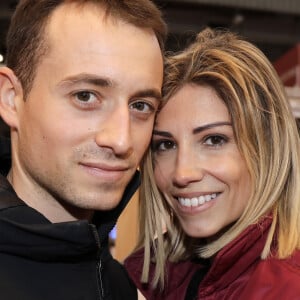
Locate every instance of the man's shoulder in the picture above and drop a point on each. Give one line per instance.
(8, 197)
(5, 154)
(9, 203)
(8, 200)
(14, 210)
(117, 281)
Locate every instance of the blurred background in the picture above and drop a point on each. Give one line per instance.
(272, 25)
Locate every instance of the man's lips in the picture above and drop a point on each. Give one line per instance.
(104, 171)
(105, 167)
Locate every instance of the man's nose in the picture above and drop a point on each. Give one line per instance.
(115, 132)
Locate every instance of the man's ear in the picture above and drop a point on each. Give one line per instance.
(10, 93)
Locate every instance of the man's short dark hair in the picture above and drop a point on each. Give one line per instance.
(26, 41)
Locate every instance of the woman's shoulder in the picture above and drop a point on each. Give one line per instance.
(134, 262)
(134, 266)
(274, 269)
(292, 264)
(178, 276)
(275, 279)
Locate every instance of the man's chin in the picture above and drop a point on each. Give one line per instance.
(106, 202)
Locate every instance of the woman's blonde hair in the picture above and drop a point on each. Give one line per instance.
(266, 135)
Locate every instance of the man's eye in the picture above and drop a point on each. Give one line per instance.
(85, 96)
(142, 107)
(215, 140)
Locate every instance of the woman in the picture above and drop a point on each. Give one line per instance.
(220, 195)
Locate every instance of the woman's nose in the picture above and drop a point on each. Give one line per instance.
(187, 169)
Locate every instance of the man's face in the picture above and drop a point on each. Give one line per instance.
(87, 121)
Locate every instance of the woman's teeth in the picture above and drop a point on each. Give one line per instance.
(196, 201)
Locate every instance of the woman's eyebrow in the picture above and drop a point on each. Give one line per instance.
(162, 133)
(210, 125)
(195, 131)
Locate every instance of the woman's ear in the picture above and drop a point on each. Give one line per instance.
(10, 93)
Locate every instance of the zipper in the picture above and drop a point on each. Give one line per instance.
(100, 281)
(98, 264)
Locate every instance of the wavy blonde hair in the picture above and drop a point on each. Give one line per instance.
(266, 135)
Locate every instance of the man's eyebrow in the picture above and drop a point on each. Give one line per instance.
(86, 78)
(210, 125)
(148, 93)
(107, 82)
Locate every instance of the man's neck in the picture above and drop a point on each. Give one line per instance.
(52, 209)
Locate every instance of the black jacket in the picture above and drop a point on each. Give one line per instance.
(40, 260)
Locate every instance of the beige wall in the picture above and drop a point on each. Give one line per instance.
(127, 230)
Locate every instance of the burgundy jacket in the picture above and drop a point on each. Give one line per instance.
(237, 272)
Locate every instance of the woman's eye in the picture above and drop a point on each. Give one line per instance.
(141, 106)
(215, 140)
(160, 146)
(85, 96)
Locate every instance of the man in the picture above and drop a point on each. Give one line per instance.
(79, 93)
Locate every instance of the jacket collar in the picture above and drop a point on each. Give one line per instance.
(238, 256)
(230, 262)
(5, 153)
(53, 241)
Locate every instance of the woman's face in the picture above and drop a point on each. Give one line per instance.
(197, 162)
